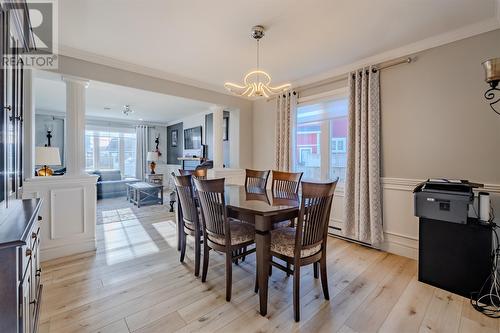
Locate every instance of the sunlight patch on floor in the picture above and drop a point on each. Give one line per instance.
(168, 230)
(127, 239)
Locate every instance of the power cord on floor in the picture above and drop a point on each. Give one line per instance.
(479, 300)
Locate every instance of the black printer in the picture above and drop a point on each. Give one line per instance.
(443, 199)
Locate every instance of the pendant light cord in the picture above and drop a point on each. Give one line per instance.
(258, 65)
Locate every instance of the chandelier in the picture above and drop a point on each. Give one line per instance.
(257, 83)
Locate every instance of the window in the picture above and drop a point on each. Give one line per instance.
(111, 149)
(321, 138)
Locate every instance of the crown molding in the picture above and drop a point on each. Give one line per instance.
(83, 82)
(419, 46)
(139, 69)
(104, 120)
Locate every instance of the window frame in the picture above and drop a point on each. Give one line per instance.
(121, 146)
(337, 140)
(325, 139)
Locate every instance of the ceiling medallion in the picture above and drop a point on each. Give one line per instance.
(257, 83)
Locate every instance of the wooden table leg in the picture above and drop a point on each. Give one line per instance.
(263, 243)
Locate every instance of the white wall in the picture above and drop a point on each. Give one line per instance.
(236, 135)
(190, 122)
(160, 131)
(42, 122)
(435, 122)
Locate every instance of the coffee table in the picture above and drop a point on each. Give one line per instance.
(145, 193)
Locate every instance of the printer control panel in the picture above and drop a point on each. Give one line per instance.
(444, 206)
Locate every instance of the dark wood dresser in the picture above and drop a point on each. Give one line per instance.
(20, 272)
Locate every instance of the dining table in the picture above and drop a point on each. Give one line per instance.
(263, 208)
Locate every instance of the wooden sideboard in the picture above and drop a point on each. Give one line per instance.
(20, 273)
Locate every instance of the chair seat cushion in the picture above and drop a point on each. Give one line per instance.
(189, 225)
(241, 232)
(283, 242)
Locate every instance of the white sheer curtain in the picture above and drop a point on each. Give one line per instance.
(363, 212)
(286, 115)
(142, 133)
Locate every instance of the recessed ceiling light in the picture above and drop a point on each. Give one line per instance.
(140, 119)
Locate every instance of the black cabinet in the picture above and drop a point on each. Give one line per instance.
(20, 276)
(453, 256)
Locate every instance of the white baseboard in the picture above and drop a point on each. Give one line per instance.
(400, 245)
(67, 250)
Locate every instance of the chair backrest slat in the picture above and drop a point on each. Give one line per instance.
(285, 182)
(256, 180)
(213, 207)
(185, 193)
(312, 224)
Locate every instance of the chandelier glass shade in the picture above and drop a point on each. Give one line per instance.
(256, 83)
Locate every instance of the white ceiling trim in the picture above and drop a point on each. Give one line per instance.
(121, 121)
(425, 44)
(428, 43)
(139, 69)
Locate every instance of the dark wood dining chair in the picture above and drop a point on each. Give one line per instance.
(219, 232)
(190, 219)
(198, 173)
(284, 183)
(255, 180)
(306, 244)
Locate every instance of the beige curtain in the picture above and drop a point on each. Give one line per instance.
(286, 105)
(142, 148)
(363, 202)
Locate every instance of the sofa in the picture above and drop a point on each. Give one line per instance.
(110, 183)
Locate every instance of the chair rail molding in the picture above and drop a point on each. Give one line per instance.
(70, 211)
(400, 224)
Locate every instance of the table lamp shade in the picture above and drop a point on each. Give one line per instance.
(47, 156)
(152, 156)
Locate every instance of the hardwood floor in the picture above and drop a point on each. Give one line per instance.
(134, 282)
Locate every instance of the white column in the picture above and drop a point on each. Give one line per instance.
(29, 125)
(218, 149)
(75, 124)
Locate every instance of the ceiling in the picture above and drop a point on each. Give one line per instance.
(209, 41)
(50, 98)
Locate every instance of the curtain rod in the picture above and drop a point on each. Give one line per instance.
(342, 77)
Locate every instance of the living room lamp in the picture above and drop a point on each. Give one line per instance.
(492, 73)
(47, 156)
(153, 158)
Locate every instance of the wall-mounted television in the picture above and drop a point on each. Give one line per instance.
(192, 138)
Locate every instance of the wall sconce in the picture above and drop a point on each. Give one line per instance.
(492, 73)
